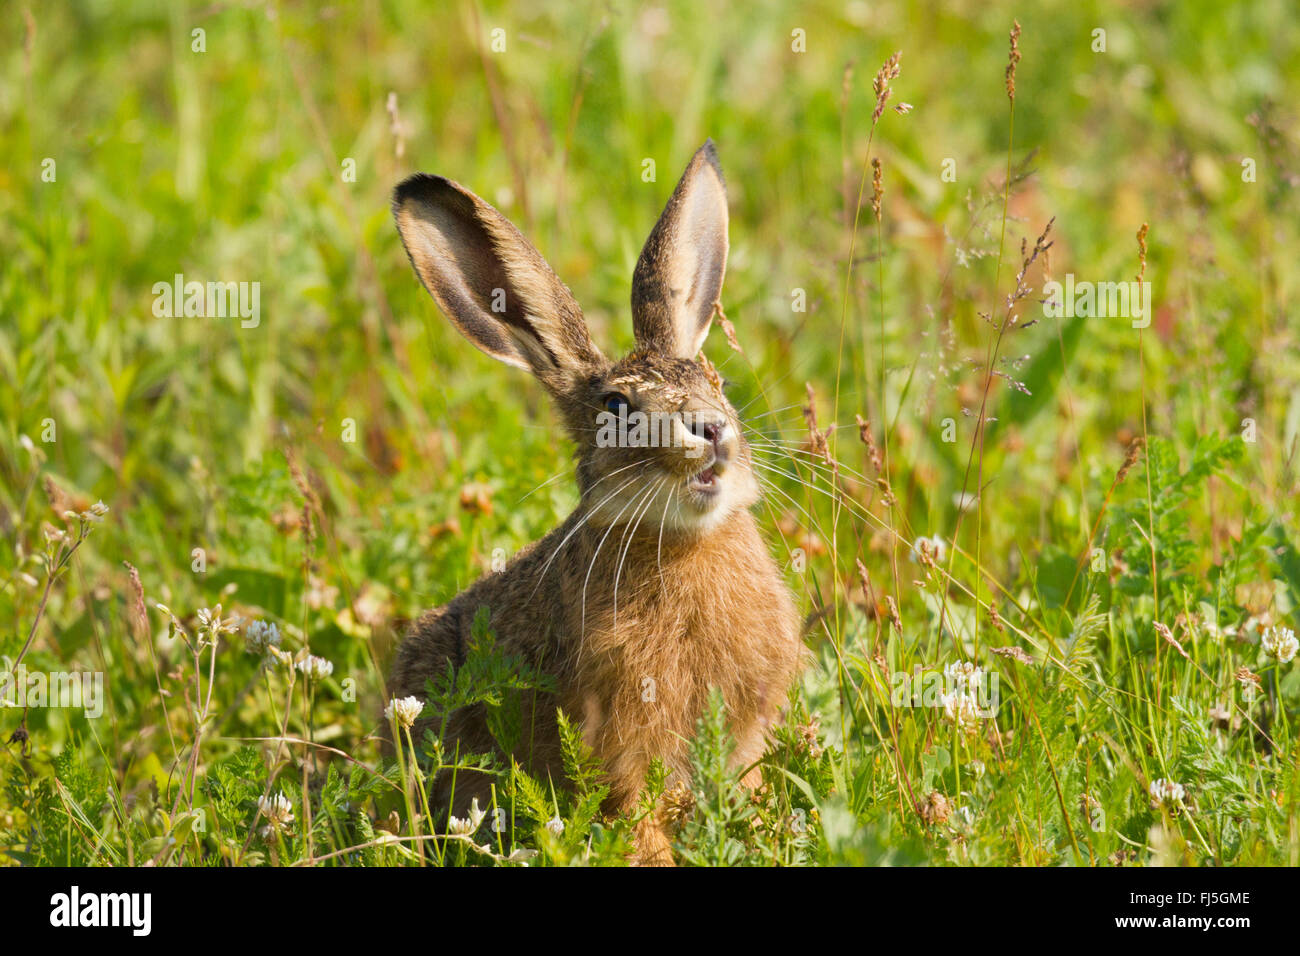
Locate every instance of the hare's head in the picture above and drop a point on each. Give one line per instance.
(658, 442)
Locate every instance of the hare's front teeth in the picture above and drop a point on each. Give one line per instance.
(706, 482)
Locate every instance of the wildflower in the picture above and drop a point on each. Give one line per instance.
(935, 809)
(1167, 794)
(807, 740)
(95, 512)
(1250, 683)
(1280, 642)
(676, 805)
(260, 637)
(963, 675)
(405, 711)
(283, 658)
(210, 620)
(458, 826)
(315, 668)
(929, 550)
(962, 709)
(555, 825)
(278, 812)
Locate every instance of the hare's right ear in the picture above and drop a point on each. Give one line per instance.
(493, 285)
(678, 277)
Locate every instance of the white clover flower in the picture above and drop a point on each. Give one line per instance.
(1280, 642)
(929, 550)
(315, 668)
(555, 825)
(278, 812)
(261, 637)
(407, 712)
(1166, 793)
(965, 676)
(962, 709)
(464, 827)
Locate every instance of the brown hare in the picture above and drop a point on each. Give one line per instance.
(659, 585)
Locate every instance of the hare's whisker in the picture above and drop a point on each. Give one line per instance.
(844, 500)
(592, 566)
(774, 411)
(631, 537)
(659, 555)
(640, 461)
(574, 530)
(548, 481)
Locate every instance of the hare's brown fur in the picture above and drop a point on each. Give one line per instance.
(636, 607)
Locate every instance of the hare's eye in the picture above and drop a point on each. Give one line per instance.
(615, 403)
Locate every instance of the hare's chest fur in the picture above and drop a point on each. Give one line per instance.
(682, 620)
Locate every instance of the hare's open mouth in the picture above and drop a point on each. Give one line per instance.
(709, 481)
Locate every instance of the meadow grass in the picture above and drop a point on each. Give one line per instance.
(1099, 519)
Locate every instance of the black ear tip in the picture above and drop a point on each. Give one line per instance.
(419, 186)
(709, 153)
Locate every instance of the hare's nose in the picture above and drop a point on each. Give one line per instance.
(713, 431)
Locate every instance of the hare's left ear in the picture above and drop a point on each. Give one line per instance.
(678, 277)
